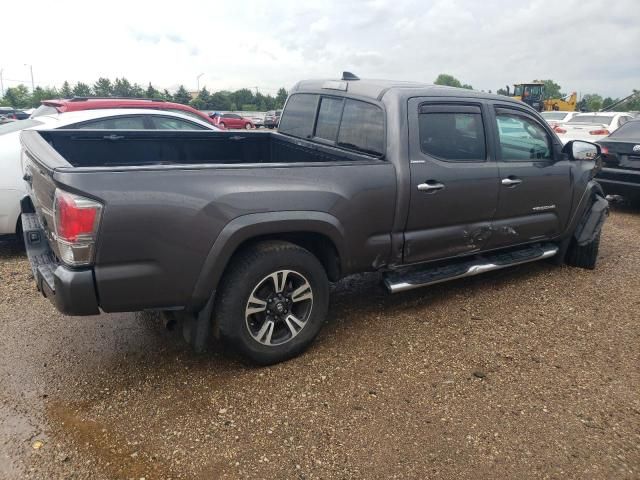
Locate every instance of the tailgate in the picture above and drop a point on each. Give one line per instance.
(39, 161)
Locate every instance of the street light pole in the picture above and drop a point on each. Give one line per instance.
(33, 86)
(198, 81)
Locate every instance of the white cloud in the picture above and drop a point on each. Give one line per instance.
(587, 46)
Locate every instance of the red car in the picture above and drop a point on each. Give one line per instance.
(95, 103)
(231, 120)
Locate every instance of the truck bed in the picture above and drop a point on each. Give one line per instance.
(100, 148)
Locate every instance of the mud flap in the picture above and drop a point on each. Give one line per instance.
(591, 225)
(196, 328)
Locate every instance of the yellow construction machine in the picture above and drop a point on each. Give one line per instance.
(532, 94)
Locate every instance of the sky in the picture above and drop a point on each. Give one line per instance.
(588, 46)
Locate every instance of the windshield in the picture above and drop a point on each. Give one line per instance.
(44, 110)
(553, 115)
(599, 119)
(629, 130)
(18, 125)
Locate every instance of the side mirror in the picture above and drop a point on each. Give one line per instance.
(580, 150)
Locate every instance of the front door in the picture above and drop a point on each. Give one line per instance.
(535, 180)
(454, 179)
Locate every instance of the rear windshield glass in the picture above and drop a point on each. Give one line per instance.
(299, 115)
(629, 130)
(18, 125)
(591, 119)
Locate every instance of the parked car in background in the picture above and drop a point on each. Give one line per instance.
(272, 118)
(12, 187)
(231, 120)
(258, 120)
(96, 103)
(239, 235)
(8, 114)
(554, 118)
(620, 174)
(591, 126)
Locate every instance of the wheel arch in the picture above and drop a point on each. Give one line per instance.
(320, 233)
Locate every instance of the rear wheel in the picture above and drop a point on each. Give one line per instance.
(272, 302)
(248, 126)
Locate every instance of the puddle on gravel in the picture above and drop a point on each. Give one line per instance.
(115, 455)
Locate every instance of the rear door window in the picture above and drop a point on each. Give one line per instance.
(452, 132)
(171, 123)
(115, 123)
(299, 115)
(362, 128)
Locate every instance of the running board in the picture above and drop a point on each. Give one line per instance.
(410, 278)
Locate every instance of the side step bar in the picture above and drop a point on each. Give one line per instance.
(410, 278)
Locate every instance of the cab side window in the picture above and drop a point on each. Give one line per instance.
(521, 138)
(452, 132)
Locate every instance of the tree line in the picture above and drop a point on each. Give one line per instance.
(243, 99)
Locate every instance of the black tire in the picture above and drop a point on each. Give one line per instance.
(584, 256)
(247, 272)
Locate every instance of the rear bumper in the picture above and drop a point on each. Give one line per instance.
(618, 181)
(72, 291)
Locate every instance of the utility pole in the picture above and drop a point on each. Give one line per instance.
(33, 86)
(1, 83)
(198, 81)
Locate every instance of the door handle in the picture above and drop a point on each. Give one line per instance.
(430, 187)
(511, 181)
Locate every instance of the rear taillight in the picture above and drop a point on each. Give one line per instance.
(559, 129)
(76, 225)
(600, 131)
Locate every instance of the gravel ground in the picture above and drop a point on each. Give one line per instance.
(530, 372)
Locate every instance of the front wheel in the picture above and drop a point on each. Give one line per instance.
(272, 302)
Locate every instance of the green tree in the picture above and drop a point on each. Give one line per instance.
(65, 91)
(182, 96)
(220, 101)
(18, 97)
(202, 101)
(103, 87)
(137, 91)
(607, 102)
(151, 92)
(281, 97)
(40, 94)
(450, 81)
(551, 89)
(592, 102)
(167, 95)
(122, 88)
(81, 90)
(244, 96)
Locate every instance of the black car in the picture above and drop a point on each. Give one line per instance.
(272, 118)
(620, 174)
(11, 113)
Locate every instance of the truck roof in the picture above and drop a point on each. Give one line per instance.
(376, 89)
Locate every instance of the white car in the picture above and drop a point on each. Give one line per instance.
(556, 117)
(591, 126)
(12, 186)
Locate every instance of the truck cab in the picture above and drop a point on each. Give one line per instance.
(530, 93)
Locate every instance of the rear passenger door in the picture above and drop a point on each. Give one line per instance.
(535, 181)
(454, 179)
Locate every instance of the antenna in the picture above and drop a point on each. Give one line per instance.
(349, 76)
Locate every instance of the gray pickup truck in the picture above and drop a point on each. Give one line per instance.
(238, 234)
